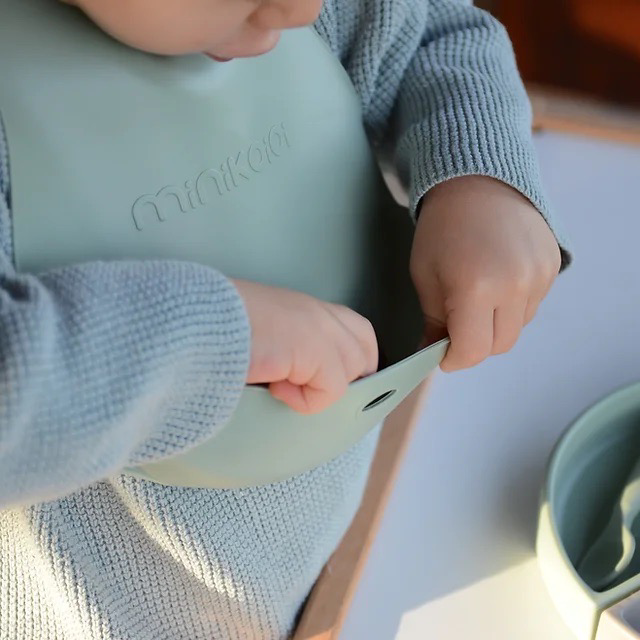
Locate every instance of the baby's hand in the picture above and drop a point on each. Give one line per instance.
(307, 350)
(482, 260)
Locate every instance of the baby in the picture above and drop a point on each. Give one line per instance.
(89, 553)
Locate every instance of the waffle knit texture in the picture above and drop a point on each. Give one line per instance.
(108, 364)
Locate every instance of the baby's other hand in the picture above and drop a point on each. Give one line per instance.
(482, 260)
(305, 349)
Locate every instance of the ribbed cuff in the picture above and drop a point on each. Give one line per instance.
(211, 341)
(470, 136)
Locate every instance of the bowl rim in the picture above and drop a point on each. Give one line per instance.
(585, 416)
(622, 397)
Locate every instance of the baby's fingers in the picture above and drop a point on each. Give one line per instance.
(316, 381)
(508, 321)
(304, 399)
(360, 350)
(470, 326)
(535, 299)
(311, 396)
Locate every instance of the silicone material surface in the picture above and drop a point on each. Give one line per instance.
(258, 167)
(586, 475)
(613, 550)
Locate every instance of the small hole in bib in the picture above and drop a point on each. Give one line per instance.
(379, 400)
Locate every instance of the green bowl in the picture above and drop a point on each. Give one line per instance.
(585, 476)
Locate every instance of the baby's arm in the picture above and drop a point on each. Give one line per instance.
(440, 90)
(107, 364)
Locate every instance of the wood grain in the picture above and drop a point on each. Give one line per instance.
(329, 601)
(569, 112)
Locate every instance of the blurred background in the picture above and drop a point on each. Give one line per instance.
(580, 60)
(590, 46)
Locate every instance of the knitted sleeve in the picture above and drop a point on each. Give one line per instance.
(440, 91)
(107, 364)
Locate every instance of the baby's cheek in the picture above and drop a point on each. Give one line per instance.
(167, 27)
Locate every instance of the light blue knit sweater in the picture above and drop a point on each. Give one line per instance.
(108, 364)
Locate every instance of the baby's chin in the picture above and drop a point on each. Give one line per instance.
(257, 49)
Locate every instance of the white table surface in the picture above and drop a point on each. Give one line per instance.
(454, 558)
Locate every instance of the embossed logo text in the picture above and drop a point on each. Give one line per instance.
(212, 183)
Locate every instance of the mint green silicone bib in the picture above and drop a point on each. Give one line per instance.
(257, 167)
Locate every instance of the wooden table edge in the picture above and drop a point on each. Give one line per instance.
(329, 601)
(568, 112)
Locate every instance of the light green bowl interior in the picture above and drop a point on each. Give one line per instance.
(588, 471)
